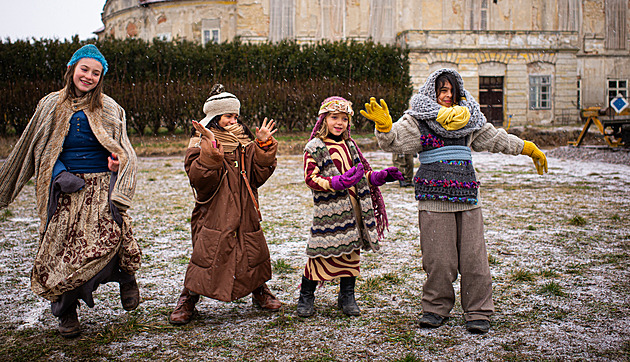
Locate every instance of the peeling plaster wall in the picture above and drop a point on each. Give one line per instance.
(438, 34)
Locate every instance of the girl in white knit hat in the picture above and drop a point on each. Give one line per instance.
(226, 164)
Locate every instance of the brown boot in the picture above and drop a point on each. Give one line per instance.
(185, 308)
(263, 298)
(130, 295)
(69, 326)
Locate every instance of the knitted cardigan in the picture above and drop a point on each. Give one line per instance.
(42, 141)
(335, 231)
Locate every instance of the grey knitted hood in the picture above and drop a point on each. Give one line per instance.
(424, 107)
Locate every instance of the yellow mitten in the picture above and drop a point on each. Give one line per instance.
(539, 158)
(378, 114)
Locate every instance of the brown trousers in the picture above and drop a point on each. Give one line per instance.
(453, 242)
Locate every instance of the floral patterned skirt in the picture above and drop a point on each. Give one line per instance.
(81, 238)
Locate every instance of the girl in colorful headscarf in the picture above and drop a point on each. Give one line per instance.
(349, 212)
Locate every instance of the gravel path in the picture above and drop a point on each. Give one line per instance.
(559, 249)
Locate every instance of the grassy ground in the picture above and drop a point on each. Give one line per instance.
(558, 247)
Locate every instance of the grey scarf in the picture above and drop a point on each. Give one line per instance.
(424, 107)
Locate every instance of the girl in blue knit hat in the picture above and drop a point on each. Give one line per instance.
(76, 147)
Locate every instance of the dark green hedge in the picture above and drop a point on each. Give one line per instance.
(162, 85)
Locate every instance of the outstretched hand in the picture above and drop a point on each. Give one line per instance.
(266, 130)
(379, 114)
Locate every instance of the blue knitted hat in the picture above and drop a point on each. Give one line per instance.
(89, 51)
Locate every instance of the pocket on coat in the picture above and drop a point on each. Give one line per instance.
(255, 248)
(205, 247)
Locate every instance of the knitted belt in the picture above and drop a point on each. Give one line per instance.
(459, 153)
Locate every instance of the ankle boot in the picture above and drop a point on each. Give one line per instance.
(263, 298)
(346, 301)
(185, 308)
(130, 295)
(69, 326)
(305, 306)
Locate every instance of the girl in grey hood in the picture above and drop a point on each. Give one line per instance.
(444, 124)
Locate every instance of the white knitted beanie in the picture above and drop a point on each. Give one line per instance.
(219, 104)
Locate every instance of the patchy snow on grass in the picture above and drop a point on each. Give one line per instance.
(558, 247)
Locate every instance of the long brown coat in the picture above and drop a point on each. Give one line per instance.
(230, 256)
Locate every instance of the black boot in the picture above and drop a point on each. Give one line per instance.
(307, 298)
(346, 300)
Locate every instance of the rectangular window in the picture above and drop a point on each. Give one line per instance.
(382, 26)
(616, 27)
(617, 87)
(281, 20)
(483, 17)
(333, 19)
(211, 31)
(540, 92)
(579, 93)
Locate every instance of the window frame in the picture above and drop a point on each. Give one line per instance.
(537, 91)
(617, 89)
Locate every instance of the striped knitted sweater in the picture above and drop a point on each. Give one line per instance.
(41, 143)
(406, 137)
(336, 229)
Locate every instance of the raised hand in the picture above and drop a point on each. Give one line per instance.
(207, 137)
(266, 130)
(379, 114)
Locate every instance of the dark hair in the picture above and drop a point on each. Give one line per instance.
(448, 77)
(95, 96)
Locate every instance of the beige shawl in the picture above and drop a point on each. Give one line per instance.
(42, 141)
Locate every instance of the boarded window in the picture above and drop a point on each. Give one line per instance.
(333, 19)
(568, 15)
(616, 27)
(382, 21)
(540, 92)
(281, 20)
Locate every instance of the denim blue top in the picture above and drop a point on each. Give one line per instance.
(82, 153)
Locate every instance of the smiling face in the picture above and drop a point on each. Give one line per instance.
(228, 119)
(87, 74)
(445, 94)
(337, 123)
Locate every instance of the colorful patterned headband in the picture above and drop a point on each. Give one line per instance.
(337, 105)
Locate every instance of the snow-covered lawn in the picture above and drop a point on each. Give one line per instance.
(559, 251)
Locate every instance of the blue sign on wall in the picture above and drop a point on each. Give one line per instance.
(619, 103)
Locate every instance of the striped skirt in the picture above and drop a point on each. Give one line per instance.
(325, 269)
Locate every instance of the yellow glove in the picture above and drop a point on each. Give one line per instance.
(539, 158)
(378, 114)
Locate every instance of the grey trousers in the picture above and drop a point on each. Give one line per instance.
(453, 242)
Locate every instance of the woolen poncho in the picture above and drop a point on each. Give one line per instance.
(42, 141)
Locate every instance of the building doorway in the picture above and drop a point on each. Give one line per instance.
(491, 99)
